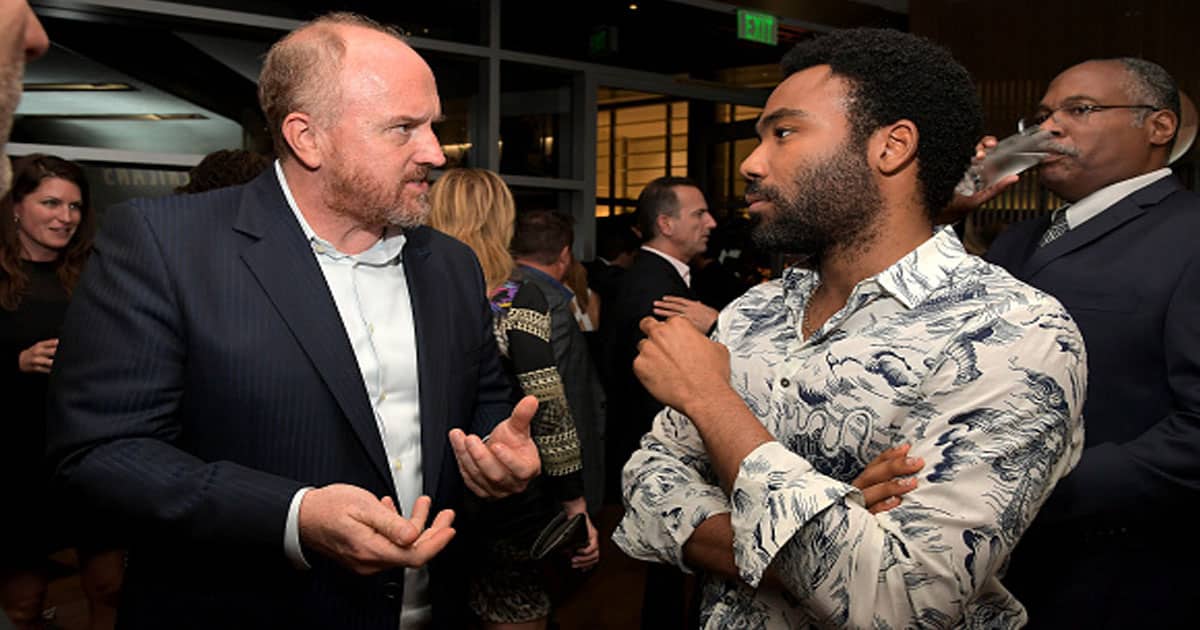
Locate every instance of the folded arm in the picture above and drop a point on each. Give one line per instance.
(996, 439)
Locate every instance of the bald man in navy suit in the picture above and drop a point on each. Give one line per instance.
(278, 389)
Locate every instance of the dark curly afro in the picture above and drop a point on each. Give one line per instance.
(892, 76)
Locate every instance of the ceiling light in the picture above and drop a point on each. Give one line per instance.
(78, 87)
(141, 117)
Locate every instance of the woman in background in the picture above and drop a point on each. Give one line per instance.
(586, 303)
(45, 236)
(509, 591)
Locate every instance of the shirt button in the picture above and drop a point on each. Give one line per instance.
(783, 382)
(383, 397)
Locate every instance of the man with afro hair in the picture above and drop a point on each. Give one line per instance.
(778, 467)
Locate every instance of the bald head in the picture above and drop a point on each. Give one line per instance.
(303, 71)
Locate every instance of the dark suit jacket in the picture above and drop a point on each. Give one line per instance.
(630, 407)
(604, 279)
(580, 380)
(1112, 546)
(204, 376)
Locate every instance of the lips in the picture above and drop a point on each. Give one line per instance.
(757, 202)
(1052, 159)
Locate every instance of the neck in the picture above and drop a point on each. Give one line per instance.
(549, 270)
(33, 252)
(344, 233)
(893, 237)
(668, 248)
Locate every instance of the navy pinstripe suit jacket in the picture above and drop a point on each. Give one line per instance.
(204, 376)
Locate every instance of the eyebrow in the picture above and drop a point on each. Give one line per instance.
(777, 115)
(413, 120)
(1073, 99)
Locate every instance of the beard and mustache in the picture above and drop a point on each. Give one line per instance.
(832, 206)
(353, 193)
(11, 75)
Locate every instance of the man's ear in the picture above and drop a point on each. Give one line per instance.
(893, 147)
(564, 257)
(1160, 126)
(663, 223)
(301, 135)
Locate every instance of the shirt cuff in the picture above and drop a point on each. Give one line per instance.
(291, 532)
(658, 533)
(775, 494)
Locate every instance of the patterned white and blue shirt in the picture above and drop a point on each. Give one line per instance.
(983, 375)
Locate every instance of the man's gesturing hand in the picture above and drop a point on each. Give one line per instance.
(368, 535)
(507, 461)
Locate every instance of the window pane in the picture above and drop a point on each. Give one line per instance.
(535, 127)
(457, 85)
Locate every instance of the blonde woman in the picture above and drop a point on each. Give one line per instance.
(476, 207)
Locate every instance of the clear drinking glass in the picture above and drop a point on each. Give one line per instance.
(1011, 155)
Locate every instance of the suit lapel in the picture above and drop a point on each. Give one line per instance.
(283, 263)
(1120, 213)
(431, 333)
(671, 275)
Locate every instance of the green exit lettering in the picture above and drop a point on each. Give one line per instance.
(757, 27)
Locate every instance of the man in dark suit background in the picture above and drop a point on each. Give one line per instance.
(675, 222)
(616, 247)
(1111, 547)
(253, 380)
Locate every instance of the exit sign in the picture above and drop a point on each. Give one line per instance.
(758, 27)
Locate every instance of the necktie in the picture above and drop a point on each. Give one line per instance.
(1058, 227)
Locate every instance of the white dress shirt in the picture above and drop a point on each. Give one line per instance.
(1103, 199)
(371, 294)
(685, 272)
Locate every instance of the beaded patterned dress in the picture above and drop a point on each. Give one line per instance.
(509, 587)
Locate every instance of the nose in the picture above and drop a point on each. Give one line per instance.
(1051, 124)
(709, 221)
(36, 40)
(430, 153)
(753, 167)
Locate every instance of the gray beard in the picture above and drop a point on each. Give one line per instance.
(10, 95)
(370, 206)
(5, 173)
